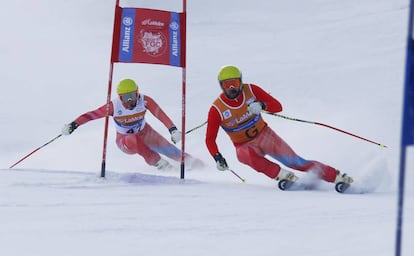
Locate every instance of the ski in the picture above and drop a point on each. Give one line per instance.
(346, 188)
(288, 185)
(340, 187)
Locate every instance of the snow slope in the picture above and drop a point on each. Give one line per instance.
(331, 61)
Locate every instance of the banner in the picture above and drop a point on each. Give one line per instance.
(149, 36)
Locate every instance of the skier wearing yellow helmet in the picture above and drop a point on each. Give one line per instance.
(238, 111)
(133, 134)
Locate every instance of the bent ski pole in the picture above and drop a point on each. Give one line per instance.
(195, 128)
(243, 180)
(50, 141)
(325, 125)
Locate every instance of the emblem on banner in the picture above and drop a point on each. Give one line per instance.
(174, 25)
(153, 43)
(128, 21)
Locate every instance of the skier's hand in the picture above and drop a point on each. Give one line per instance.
(69, 128)
(256, 107)
(175, 134)
(221, 162)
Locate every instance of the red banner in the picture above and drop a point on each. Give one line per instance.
(149, 36)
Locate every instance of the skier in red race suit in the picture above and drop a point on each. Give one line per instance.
(238, 111)
(133, 134)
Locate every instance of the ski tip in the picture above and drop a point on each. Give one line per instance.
(341, 187)
(284, 184)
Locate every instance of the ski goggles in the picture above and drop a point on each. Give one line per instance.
(128, 96)
(231, 84)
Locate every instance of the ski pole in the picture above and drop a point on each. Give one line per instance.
(195, 128)
(321, 124)
(50, 141)
(243, 180)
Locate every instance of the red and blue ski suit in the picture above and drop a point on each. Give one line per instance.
(253, 138)
(133, 134)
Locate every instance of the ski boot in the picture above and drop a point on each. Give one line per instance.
(342, 182)
(286, 179)
(163, 164)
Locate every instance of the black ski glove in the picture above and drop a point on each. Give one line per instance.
(221, 162)
(175, 134)
(69, 128)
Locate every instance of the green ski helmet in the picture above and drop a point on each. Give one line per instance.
(126, 86)
(231, 89)
(229, 72)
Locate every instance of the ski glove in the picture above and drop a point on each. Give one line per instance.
(69, 128)
(221, 162)
(256, 107)
(175, 134)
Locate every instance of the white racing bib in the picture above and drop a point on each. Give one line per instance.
(129, 121)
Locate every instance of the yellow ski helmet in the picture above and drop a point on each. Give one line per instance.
(126, 86)
(229, 72)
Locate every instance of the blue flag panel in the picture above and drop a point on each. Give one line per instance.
(408, 107)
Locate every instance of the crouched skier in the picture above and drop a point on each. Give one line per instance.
(133, 134)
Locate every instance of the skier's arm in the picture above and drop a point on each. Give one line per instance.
(156, 110)
(270, 104)
(94, 114)
(213, 125)
(86, 117)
